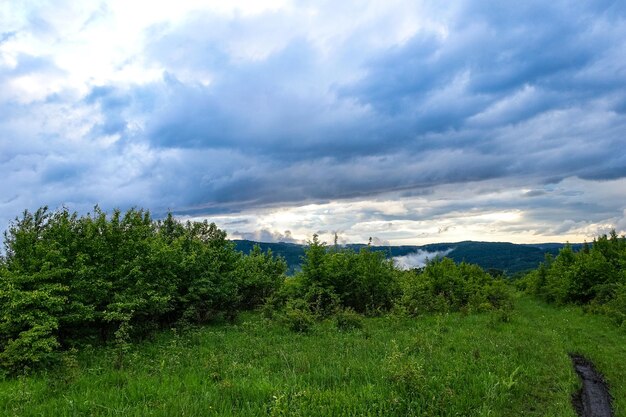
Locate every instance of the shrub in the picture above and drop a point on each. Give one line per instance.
(297, 316)
(416, 298)
(292, 288)
(348, 319)
(322, 302)
(365, 281)
(498, 295)
(260, 276)
(66, 280)
(32, 348)
(444, 286)
(594, 277)
(615, 307)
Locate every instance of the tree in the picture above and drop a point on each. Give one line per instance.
(313, 263)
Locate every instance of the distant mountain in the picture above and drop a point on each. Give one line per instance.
(510, 258)
(292, 252)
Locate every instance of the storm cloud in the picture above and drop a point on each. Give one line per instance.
(451, 111)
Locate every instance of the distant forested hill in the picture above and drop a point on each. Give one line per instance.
(509, 257)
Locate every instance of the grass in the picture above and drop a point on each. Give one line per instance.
(440, 365)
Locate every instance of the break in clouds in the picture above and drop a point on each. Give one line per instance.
(406, 121)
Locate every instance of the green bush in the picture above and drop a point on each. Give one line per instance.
(417, 295)
(322, 302)
(68, 280)
(297, 316)
(348, 319)
(292, 288)
(444, 286)
(615, 306)
(498, 295)
(260, 275)
(37, 346)
(365, 281)
(594, 277)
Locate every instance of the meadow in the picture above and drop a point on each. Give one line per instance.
(107, 315)
(445, 364)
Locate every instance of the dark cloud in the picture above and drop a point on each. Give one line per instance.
(271, 109)
(500, 95)
(113, 105)
(534, 193)
(60, 170)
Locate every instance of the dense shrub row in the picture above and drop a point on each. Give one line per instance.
(594, 277)
(67, 280)
(340, 277)
(339, 281)
(445, 286)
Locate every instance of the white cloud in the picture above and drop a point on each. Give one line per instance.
(620, 227)
(418, 259)
(490, 211)
(408, 122)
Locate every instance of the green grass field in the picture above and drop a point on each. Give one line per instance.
(439, 365)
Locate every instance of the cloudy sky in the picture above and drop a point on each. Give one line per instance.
(408, 121)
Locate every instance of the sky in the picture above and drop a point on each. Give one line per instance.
(409, 122)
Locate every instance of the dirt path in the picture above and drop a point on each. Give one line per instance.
(593, 399)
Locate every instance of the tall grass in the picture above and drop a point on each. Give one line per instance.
(433, 365)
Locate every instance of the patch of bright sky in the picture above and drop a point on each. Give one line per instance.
(389, 220)
(96, 43)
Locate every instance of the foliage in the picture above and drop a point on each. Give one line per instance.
(261, 275)
(498, 257)
(339, 277)
(615, 307)
(297, 316)
(209, 284)
(70, 280)
(434, 365)
(322, 302)
(341, 283)
(67, 280)
(348, 319)
(594, 276)
(444, 286)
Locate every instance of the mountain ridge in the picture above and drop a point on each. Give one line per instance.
(510, 258)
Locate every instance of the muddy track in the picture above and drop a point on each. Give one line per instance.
(593, 399)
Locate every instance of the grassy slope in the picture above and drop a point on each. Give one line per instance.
(438, 365)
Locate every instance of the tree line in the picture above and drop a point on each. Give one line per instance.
(68, 280)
